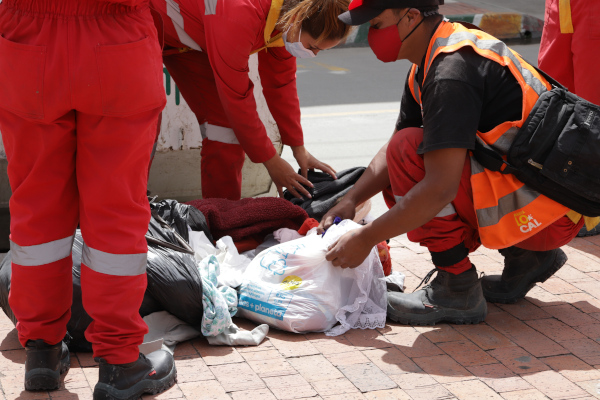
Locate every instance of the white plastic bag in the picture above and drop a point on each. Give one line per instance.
(232, 265)
(292, 287)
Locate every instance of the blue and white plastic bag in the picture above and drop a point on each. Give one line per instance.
(292, 287)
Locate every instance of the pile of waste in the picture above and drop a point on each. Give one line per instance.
(260, 259)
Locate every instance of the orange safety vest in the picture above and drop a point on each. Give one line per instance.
(508, 212)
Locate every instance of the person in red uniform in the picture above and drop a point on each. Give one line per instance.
(81, 93)
(207, 49)
(569, 53)
(464, 86)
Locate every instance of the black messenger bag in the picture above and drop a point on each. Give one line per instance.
(556, 152)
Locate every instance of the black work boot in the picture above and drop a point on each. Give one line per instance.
(45, 364)
(448, 297)
(583, 232)
(151, 374)
(522, 269)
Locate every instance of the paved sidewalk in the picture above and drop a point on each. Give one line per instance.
(544, 347)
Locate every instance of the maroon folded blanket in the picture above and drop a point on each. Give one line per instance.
(249, 217)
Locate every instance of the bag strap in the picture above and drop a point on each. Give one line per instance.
(487, 156)
(491, 159)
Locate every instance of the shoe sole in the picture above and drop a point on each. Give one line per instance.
(458, 317)
(103, 391)
(45, 378)
(511, 298)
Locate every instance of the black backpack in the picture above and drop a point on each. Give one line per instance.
(557, 150)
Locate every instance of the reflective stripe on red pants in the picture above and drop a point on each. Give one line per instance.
(222, 155)
(78, 118)
(406, 168)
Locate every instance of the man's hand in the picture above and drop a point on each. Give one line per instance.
(345, 209)
(283, 175)
(306, 161)
(350, 250)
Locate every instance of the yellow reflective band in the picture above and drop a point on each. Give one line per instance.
(272, 18)
(271, 22)
(564, 12)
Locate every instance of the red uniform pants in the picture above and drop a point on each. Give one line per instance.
(222, 155)
(573, 58)
(456, 225)
(81, 92)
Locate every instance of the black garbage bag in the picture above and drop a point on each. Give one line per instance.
(5, 274)
(179, 216)
(174, 282)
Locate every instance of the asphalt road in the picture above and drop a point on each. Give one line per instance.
(350, 102)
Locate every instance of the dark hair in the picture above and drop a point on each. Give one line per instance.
(319, 18)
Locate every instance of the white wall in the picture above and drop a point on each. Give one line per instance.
(175, 172)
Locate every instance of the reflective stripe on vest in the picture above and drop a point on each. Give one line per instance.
(41, 254)
(447, 210)
(114, 264)
(489, 47)
(174, 13)
(414, 87)
(507, 211)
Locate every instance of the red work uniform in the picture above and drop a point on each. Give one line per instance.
(81, 92)
(491, 83)
(569, 51)
(213, 79)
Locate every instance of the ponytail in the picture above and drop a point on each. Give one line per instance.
(319, 18)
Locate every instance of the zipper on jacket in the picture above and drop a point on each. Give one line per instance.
(535, 164)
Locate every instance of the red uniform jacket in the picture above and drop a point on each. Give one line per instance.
(228, 31)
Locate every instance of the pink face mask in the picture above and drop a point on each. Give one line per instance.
(386, 43)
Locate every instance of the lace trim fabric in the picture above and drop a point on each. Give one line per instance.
(369, 291)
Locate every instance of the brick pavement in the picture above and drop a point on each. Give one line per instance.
(544, 347)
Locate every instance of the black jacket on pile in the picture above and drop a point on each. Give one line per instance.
(326, 192)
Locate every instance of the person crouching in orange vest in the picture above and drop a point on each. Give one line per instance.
(207, 49)
(465, 86)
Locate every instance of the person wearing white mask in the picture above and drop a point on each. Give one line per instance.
(207, 45)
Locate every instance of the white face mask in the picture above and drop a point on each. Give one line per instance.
(297, 49)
